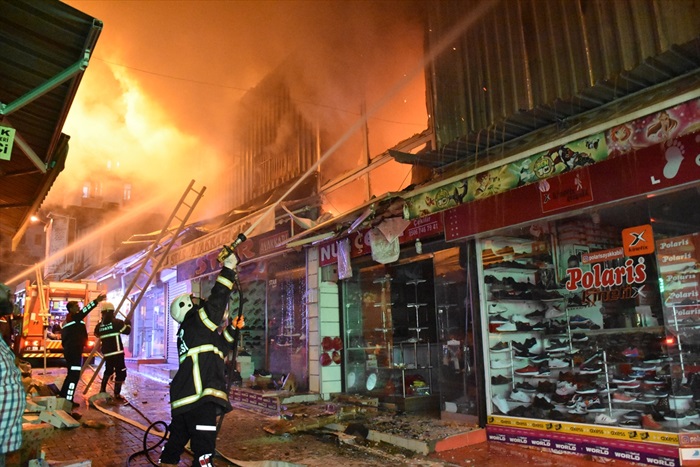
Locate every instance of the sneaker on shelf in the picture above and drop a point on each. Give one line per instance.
(539, 326)
(579, 408)
(629, 386)
(646, 400)
(546, 387)
(537, 314)
(674, 416)
(498, 319)
(623, 379)
(501, 404)
(556, 363)
(574, 401)
(529, 370)
(516, 318)
(579, 337)
(507, 327)
(654, 380)
(587, 388)
(592, 357)
(523, 355)
(622, 397)
(692, 414)
(554, 312)
(500, 347)
(501, 363)
(630, 352)
(519, 411)
(556, 345)
(657, 358)
(525, 345)
(649, 423)
(602, 419)
(521, 326)
(541, 401)
(589, 369)
(691, 427)
(525, 387)
(500, 380)
(633, 415)
(656, 392)
(579, 320)
(644, 366)
(630, 423)
(520, 396)
(497, 308)
(565, 388)
(539, 358)
(681, 392)
(594, 405)
(543, 370)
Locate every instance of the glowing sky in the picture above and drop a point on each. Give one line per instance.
(158, 100)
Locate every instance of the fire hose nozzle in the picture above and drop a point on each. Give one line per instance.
(228, 250)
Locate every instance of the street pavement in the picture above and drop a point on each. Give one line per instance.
(109, 442)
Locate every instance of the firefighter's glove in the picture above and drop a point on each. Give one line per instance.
(101, 297)
(231, 261)
(237, 322)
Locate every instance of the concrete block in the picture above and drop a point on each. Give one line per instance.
(58, 418)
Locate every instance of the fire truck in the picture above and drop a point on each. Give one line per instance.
(43, 308)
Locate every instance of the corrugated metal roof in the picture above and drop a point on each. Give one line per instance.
(44, 48)
(672, 71)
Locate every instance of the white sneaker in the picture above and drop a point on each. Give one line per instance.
(554, 312)
(507, 327)
(520, 396)
(501, 404)
(579, 408)
(558, 363)
(602, 419)
(519, 319)
(501, 363)
(565, 388)
(497, 308)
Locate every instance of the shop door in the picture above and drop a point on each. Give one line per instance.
(455, 336)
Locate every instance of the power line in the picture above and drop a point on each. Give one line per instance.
(244, 90)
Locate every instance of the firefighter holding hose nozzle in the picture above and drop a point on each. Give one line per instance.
(198, 390)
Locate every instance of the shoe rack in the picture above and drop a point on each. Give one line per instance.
(253, 334)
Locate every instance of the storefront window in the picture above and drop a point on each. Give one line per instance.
(390, 322)
(593, 318)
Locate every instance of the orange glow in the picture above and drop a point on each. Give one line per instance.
(670, 341)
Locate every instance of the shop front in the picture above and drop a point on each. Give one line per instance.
(407, 332)
(588, 291)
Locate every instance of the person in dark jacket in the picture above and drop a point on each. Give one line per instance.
(198, 390)
(109, 330)
(74, 337)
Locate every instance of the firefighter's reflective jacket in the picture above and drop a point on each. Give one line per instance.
(109, 333)
(73, 332)
(202, 349)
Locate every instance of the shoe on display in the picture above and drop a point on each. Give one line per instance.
(589, 369)
(633, 415)
(539, 358)
(673, 415)
(691, 428)
(556, 345)
(579, 408)
(631, 352)
(501, 363)
(556, 363)
(500, 347)
(537, 314)
(595, 406)
(501, 404)
(507, 327)
(498, 319)
(497, 308)
(565, 388)
(656, 392)
(654, 380)
(579, 337)
(520, 396)
(528, 370)
(630, 424)
(539, 326)
(554, 312)
(624, 379)
(649, 423)
(622, 397)
(602, 419)
(523, 326)
(578, 319)
(525, 387)
(500, 380)
(543, 370)
(643, 366)
(515, 318)
(681, 392)
(587, 388)
(542, 401)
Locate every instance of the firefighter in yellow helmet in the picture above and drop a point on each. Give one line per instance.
(198, 390)
(109, 330)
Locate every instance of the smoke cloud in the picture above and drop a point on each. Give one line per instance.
(157, 105)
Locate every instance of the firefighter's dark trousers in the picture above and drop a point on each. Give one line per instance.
(198, 426)
(114, 365)
(74, 362)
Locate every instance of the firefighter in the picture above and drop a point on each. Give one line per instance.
(74, 337)
(109, 330)
(198, 390)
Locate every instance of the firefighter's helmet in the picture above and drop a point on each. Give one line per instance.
(181, 306)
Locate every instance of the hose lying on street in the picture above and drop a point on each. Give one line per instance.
(146, 449)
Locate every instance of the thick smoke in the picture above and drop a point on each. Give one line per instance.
(157, 104)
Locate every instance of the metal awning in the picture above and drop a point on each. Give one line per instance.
(45, 46)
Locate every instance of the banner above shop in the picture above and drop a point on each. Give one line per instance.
(255, 247)
(622, 139)
(7, 140)
(424, 227)
(665, 165)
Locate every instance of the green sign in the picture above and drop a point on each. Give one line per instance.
(7, 139)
